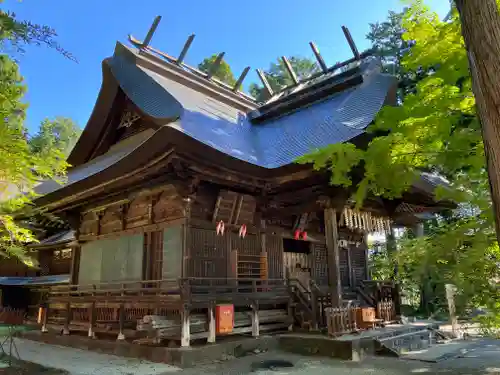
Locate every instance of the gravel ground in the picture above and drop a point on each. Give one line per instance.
(482, 358)
(83, 362)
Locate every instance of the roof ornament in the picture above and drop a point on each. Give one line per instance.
(265, 83)
(128, 118)
(241, 78)
(215, 65)
(145, 47)
(185, 49)
(354, 49)
(151, 32)
(319, 58)
(290, 70)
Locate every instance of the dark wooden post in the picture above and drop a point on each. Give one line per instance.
(186, 250)
(314, 306)
(255, 319)
(211, 324)
(121, 317)
(349, 267)
(121, 323)
(332, 245)
(185, 328)
(67, 320)
(290, 307)
(45, 318)
(75, 264)
(92, 315)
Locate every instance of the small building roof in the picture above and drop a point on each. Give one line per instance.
(56, 240)
(40, 280)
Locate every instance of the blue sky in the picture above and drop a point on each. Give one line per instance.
(250, 32)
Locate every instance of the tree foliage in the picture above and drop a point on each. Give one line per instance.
(278, 76)
(223, 71)
(61, 134)
(434, 129)
(23, 162)
(15, 34)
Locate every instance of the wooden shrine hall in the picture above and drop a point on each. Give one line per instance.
(188, 206)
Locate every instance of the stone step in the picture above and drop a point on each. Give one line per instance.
(405, 342)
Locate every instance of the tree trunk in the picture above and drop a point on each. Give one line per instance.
(481, 31)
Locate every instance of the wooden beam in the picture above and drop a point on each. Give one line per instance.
(265, 83)
(151, 32)
(45, 318)
(185, 329)
(319, 58)
(67, 319)
(121, 323)
(354, 49)
(213, 68)
(75, 264)
(333, 257)
(211, 324)
(241, 78)
(255, 320)
(186, 228)
(185, 49)
(290, 70)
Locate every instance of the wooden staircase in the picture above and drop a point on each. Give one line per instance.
(309, 305)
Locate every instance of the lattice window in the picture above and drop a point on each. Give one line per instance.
(320, 264)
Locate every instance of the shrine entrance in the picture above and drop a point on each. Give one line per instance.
(297, 260)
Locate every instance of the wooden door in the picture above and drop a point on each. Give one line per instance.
(153, 255)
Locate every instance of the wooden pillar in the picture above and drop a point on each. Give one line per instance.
(67, 320)
(75, 264)
(186, 250)
(255, 320)
(92, 316)
(211, 324)
(332, 246)
(92, 320)
(45, 319)
(315, 309)
(263, 244)
(367, 267)
(185, 328)
(121, 323)
(290, 306)
(349, 267)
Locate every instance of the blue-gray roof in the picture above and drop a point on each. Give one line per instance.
(272, 144)
(166, 96)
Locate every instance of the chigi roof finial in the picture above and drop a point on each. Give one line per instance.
(151, 32)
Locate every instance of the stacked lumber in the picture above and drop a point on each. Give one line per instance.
(158, 327)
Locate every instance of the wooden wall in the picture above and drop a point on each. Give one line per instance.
(110, 260)
(146, 211)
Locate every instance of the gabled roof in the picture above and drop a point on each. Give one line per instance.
(163, 94)
(188, 112)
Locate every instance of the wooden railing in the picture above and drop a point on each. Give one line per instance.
(118, 305)
(384, 296)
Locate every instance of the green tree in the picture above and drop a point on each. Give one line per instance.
(15, 34)
(278, 76)
(60, 133)
(21, 165)
(435, 129)
(387, 41)
(223, 71)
